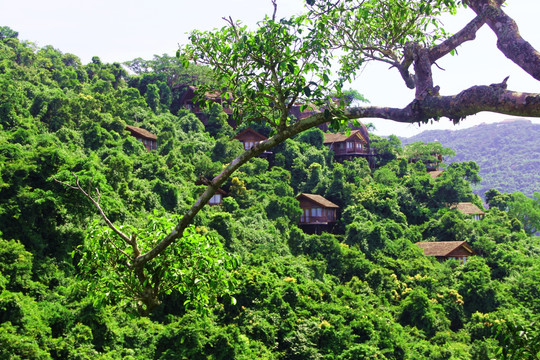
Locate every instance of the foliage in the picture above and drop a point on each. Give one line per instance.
(365, 291)
(268, 70)
(430, 154)
(526, 210)
(199, 268)
(506, 153)
(518, 342)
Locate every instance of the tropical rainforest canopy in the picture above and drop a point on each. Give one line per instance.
(107, 250)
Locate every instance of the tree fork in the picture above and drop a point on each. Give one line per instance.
(509, 40)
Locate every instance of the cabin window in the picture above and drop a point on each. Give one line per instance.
(358, 146)
(249, 144)
(316, 212)
(461, 259)
(350, 145)
(305, 215)
(330, 214)
(214, 200)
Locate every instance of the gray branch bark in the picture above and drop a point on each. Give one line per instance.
(509, 40)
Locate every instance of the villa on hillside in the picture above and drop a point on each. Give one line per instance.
(296, 111)
(318, 213)
(432, 163)
(435, 173)
(217, 198)
(187, 102)
(469, 209)
(249, 138)
(447, 250)
(347, 147)
(146, 137)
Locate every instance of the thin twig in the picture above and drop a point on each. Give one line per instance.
(96, 204)
(120, 250)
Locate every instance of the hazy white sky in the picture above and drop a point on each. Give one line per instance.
(121, 30)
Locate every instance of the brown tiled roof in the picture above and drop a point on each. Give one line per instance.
(435, 173)
(210, 95)
(467, 208)
(340, 137)
(141, 132)
(250, 131)
(319, 200)
(442, 248)
(308, 111)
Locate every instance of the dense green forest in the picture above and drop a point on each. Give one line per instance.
(507, 153)
(364, 291)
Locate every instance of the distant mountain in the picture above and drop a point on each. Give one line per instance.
(507, 152)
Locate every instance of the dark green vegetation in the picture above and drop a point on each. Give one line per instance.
(366, 291)
(508, 153)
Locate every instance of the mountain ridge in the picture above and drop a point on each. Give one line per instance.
(508, 153)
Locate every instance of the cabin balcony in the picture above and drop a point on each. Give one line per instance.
(353, 152)
(313, 220)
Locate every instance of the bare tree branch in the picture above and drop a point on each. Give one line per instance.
(466, 34)
(123, 236)
(121, 251)
(509, 41)
(423, 78)
(494, 98)
(424, 59)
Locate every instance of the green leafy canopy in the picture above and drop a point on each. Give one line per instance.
(267, 71)
(198, 266)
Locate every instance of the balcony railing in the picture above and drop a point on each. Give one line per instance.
(306, 219)
(354, 152)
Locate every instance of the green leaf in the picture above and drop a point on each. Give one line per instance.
(327, 114)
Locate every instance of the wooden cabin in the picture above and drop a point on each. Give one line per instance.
(249, 138)
(469, 209)
(296, 111)
(435, 163)
(218, 196)
(447, 250)
(346, 147)
(187, 101)
(146, 137)
(432, 162)
(435, 173)
(317, 213)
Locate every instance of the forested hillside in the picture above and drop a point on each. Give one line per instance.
(245, 281)
(508, 153)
